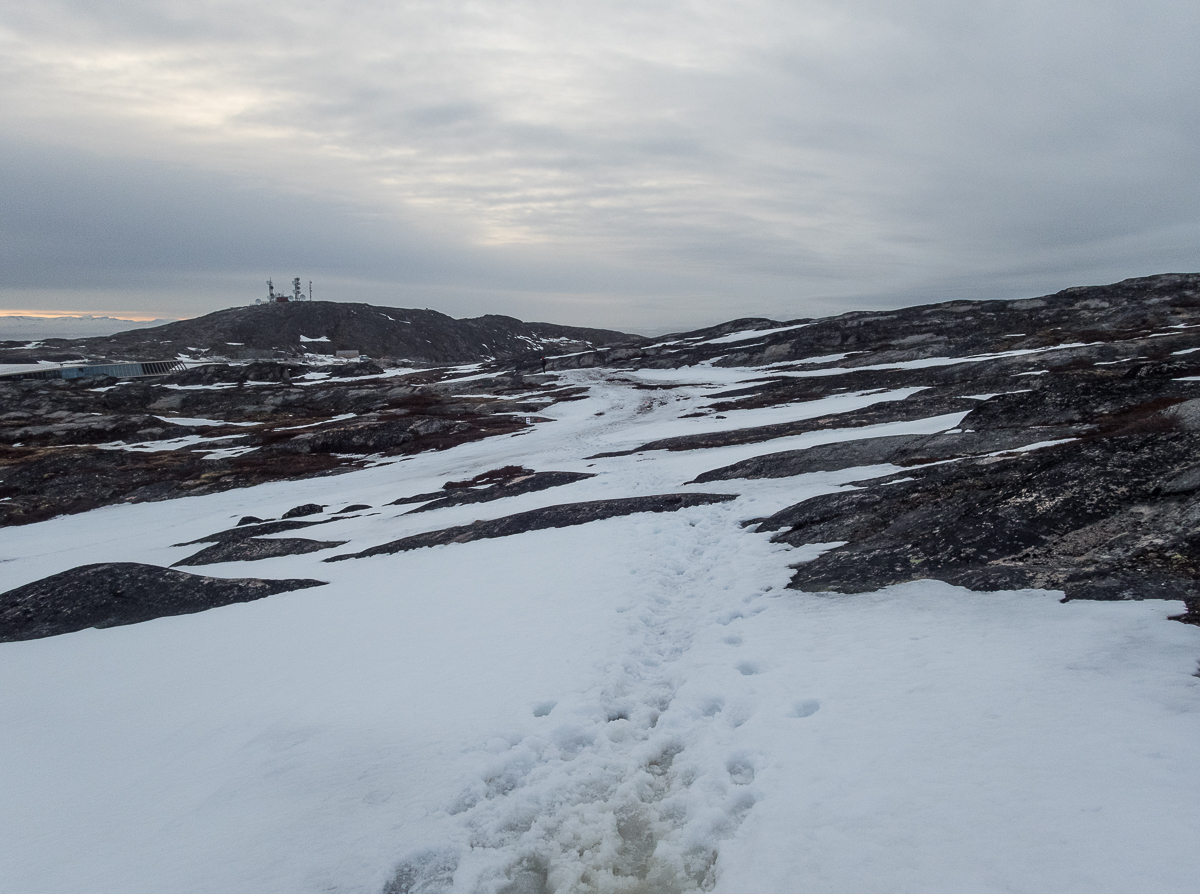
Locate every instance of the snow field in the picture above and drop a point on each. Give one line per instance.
(971, 743)
(293, 737)
(633, 705)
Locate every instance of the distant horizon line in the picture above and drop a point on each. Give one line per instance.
(125, 316)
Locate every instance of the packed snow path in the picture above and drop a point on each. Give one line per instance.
(632, 705)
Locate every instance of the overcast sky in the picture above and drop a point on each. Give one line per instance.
(642, 166)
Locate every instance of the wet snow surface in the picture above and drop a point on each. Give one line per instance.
(635, 704)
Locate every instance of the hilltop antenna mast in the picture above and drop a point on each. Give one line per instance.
(274, 297)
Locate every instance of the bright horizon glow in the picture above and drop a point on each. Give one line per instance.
(134, 317)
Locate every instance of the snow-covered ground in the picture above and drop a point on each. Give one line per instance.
(632, 705)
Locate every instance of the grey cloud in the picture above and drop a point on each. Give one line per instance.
(71, 221)
(781, 157)
(68, 215)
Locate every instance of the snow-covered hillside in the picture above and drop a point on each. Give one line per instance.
(638, 703)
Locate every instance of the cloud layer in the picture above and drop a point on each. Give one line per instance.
(610, 163)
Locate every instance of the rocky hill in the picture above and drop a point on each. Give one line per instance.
(898, 584)
(1095, 315)
(1105, 380)
(323, 327)
(1106, 377)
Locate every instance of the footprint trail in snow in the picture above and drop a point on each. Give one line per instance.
(630, 787)
(632, 705)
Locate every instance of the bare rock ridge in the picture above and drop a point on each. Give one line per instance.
(1066, 452)
(1075, 467)
(73, 445)
(115, 593)
(561, 516)
(323, 327)
(524, 481)
(1095, 316)
(578, 576)
(252, 549)
(1109, 514)
(899, 450)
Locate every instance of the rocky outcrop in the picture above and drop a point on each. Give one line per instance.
(1109, 318)
(251, 550)
(900, 450)
(917, 406)
(562, 516)
(526, 483)
(1102, 518)
(1109, 513)
(277, 425)
(246, 530)
(273, 330)
(41, 484)
(1111, 372)
(113, 594)
(303, 510)
(65, 428)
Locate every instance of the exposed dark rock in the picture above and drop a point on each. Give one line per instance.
(1107, 318)
(245, 532)
(521, 484)
(1192, 613)
(901, 450)
(917, 406)
(272, 330)
(298, 435)
(357, 507)
(562, 516)
(40, 484)
(418, 498)
(250, 520)
(351, 370)
(251, 550)
(480, 484)
(71, 428)
(493, 476)
(372, 435)
(1092, 518)
(1101, 396)
(1109, 515)
(116, 593)
(303, 510)
(1185, 482)
(390, 435)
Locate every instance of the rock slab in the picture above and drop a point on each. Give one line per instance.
(112, 594)
(561, 516)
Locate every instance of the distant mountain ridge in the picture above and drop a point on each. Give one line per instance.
(323, 327)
